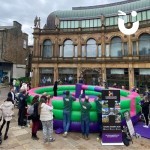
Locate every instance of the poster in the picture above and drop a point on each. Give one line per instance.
(111, 118)
(129, 123)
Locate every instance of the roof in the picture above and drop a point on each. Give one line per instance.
(6, 27)
(96, 11)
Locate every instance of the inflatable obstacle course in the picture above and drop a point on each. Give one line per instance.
(129, 101)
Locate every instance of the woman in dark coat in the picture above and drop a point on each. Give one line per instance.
(145, 111)
(35, 118)
(55, 88)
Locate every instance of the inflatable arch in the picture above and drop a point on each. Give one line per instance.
(129, 101)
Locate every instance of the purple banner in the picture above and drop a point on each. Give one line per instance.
(112, 137)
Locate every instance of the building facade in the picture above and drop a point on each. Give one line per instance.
(13, 52)
(85, 44)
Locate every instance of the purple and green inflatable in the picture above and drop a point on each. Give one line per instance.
(129, 101)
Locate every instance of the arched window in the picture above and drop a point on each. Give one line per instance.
(144, 44)
(47, 48)
(91, 48)
(116, 47)
(68, 48)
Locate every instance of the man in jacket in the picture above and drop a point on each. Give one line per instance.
(22, 107)
(68, 99)
(85, 116)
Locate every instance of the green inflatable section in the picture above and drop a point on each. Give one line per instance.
(76, 108)
(75, 115)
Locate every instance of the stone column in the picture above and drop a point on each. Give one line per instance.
(129, 46)
(56, 76)
(79, 46)
(131, 77)
(103, 44)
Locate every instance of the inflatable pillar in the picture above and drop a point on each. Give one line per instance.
(78, 91)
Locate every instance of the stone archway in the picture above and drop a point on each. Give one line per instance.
(91, 76)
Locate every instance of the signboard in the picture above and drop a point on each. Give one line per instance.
(111, 118)
(129, 123)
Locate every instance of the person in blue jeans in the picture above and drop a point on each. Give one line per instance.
(68, 99)
(85, 116)
(98, 102)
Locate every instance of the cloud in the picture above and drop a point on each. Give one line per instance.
(24, 11)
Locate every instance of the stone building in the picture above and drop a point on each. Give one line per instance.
(13, 51)
(86, 43)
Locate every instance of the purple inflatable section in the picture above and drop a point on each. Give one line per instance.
(76, 126)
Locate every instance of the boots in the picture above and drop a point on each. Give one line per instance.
(34, 136)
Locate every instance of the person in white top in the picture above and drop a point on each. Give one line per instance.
(46, 117)
(7, 113)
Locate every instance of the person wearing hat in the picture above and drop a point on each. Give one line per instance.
(85, 116)
(98, 102)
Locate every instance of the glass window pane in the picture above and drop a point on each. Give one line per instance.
(144, 15)
(148, 14)
(83, 24)
(91, 23)
(95, 22)
(65, 24)
(91, 48)
(115, 20)
(107, 50)
(47, 48)
(76, 24)
(144, 44)
(134, 48)
(68, 48)
(116, 47)
(72, 24)
(107, 21)
(60, 51)
(75, 51)
(125, 49)
(99, 22)
(83, 50)
(69, 24)
(61, 24)
(87, 23)
(139, 18)
(111, 21)
(133, 19)
(99, 51)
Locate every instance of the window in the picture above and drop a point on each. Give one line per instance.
(99, 51)
(47, 49)
(83, 51)
(24, 44)
(148, 14)
(68, 48)
(134, 48)
(144, 15)
(116, 47)
(144, 44)
(125, 49)
(139, 16)
(107, 50)
(107, 21)
(91, 48)
(75, 51)
(60, 51)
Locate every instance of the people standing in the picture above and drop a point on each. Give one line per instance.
(98, 102)
(7, 113)
(55, 88)
(68, 99)
(22, 107)
(11, 94)
(46, 117)
(85, 116)
(35, 118)
(145, 110)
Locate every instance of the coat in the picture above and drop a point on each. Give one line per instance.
(46, 113)
(7, 110)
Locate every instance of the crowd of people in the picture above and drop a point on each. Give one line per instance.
(42, 113)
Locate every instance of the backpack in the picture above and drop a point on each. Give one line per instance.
(30, 110)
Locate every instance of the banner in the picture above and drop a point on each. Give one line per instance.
(111, 118)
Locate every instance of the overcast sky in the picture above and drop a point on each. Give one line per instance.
(24, 11)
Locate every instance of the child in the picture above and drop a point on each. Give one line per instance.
(7, 113)
(46, 117)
